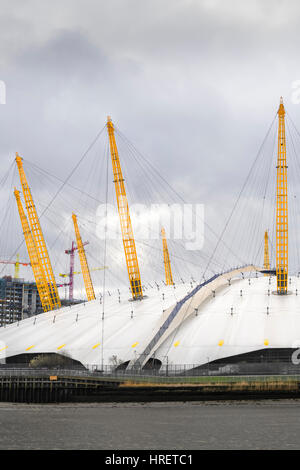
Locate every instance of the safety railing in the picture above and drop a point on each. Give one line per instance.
(281, 367)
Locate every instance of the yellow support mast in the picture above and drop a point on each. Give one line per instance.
(125, 220)
(38, 272)
(167, 263)
(38, 237)
(266, 253)
(83, 263)
(281, 207)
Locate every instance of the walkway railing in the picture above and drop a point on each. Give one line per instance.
(280, 367)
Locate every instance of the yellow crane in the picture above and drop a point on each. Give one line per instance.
(125, 220)
(17, 266)
(266, 253)
(37, 234)
(38, 272)
(167, 263)
(16, 263)
(80, 272)
(83, 263)
(281, 206)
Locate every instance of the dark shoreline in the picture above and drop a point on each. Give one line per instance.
(87, 390)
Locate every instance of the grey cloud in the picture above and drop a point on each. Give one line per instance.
(194, 84)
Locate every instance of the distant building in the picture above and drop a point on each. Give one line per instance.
(18, 300)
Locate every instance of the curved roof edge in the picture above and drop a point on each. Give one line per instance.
(174, 316)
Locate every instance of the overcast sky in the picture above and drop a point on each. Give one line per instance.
(194, 84)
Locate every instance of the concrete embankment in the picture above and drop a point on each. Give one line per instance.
(62, 388)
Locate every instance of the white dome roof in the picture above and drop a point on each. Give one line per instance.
(239, 317)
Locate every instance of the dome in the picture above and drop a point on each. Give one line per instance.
(231, 314)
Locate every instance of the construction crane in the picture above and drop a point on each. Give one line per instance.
(16, 263)
(68, 284)
(38, 272)
(80, 272)
(83, 263)
(167, 263)
(266, 253)
(71, 273)
(71, 252)
(281, 206)
(37, 234)
(125, 221)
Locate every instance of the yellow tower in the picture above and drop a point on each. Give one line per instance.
(281, 207)
(167, 263)
(266, 253)
(38, 236)
(125, 221)
(39, 276)
(90, 293)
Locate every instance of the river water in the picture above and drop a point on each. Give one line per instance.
(267, 424)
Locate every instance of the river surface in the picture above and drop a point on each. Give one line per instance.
(175, 426)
